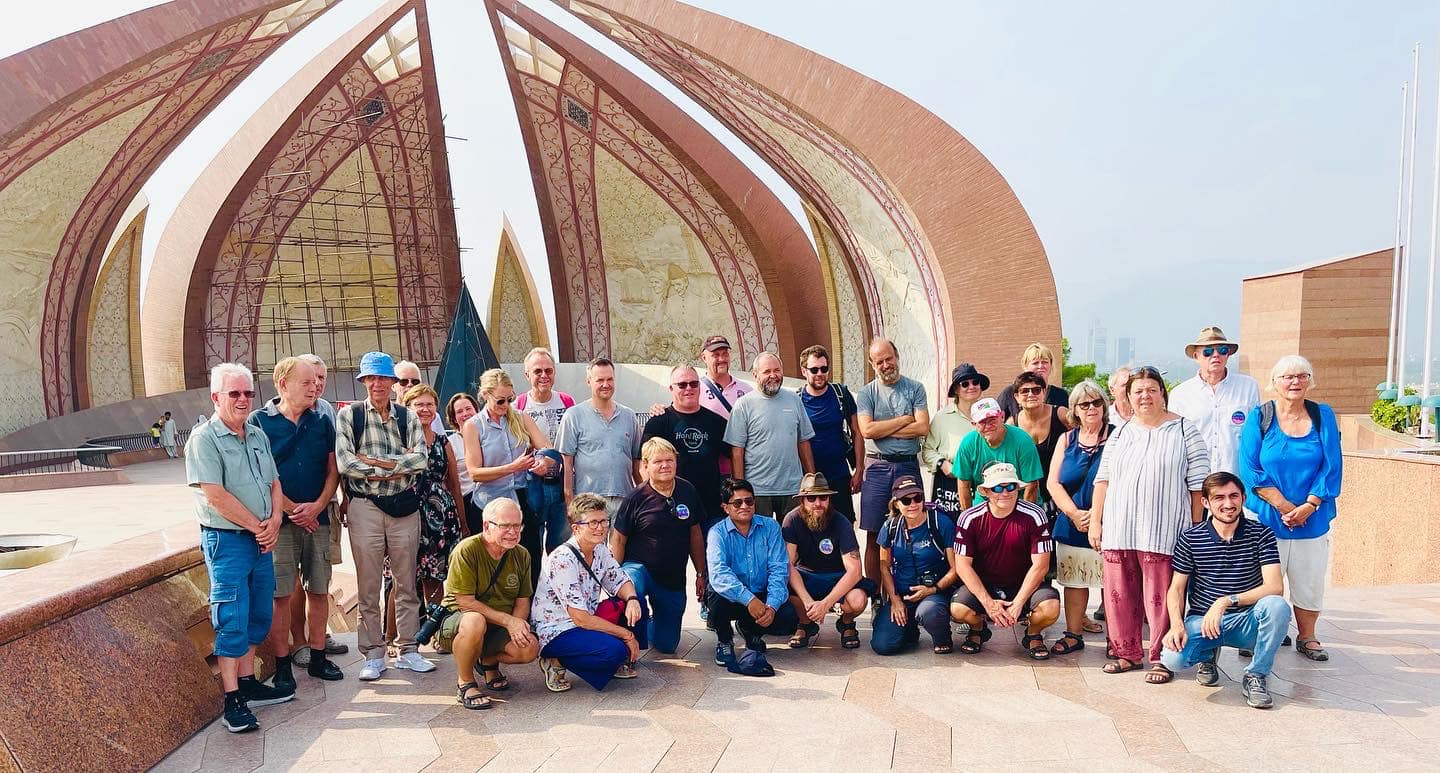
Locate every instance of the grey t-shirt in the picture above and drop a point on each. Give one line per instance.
(768, 428)
(603, 450)
(881, 402)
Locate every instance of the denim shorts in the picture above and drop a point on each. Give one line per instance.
(242, 586)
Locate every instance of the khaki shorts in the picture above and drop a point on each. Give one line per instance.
(336, 556)
(305, 552)
(496, 636)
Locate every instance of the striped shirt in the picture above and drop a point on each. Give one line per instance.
(1150, 473)
(1218, 568)
(1001, 547)
(381, 440)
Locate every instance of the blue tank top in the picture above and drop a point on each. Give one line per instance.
(1077, 476)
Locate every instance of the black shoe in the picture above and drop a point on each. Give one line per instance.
(1257, 694)
(1099, 613)
(238, 718)
(756, 643)
(1207, 674)
(257, 693)
(1244, 653)
(1286, 642)
(321, 668)
(284, 679)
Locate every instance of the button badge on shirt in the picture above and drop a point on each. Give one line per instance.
(826, 546)
(1237, 418)
(682, 512)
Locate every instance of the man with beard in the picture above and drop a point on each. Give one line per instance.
(769, 436)
(824, 565)
(600, 441)
(698, 436)
(894, 419)
(1227, 571)
(832, 413)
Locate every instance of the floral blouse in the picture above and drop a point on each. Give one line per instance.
(565, 584)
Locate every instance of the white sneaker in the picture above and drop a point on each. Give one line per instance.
(414, 662)
(372, 669)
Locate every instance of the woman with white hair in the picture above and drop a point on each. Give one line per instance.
(1071, 483)
(1291, 464)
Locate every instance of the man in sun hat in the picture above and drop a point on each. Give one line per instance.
(824, 564)
(1216, 399)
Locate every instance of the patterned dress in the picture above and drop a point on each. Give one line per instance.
(439, 519)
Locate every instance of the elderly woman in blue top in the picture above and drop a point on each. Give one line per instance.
(1290, 462)
(749, 568)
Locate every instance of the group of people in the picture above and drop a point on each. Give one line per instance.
(548, 529)
(164, 435)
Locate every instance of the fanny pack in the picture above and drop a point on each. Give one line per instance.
(399, 504)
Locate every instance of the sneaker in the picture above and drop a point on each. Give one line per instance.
(724, 655)
(284, 679)
(756, 643)
(1244, 653)
(372, 669)
(414, 662)
(258, 693)
(321, 668)
(333, 647)
(1256, 693)
(300, 656)
(238, 718)
(1207, 675)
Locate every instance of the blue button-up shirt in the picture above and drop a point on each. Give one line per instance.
(740, 565)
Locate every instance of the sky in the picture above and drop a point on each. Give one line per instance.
(1163, 151)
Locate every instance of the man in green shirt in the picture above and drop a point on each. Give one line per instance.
(994, 441)
(488, 594)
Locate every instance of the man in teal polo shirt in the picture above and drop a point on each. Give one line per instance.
(237, 501)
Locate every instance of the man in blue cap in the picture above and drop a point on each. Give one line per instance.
(380, 448)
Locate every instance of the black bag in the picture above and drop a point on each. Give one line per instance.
(399, 504)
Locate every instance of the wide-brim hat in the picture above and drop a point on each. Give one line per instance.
(998, 474)
(1210, 336)
(965, 371)
(376, 364)
(814, 484)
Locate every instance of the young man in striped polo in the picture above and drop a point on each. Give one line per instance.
(1227, 571)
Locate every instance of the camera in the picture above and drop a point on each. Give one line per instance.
(928, 578)
(434, 618)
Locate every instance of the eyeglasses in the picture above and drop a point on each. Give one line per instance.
(502, 400)
(405, 382)
(1088, 404)
(595, 524)
(542, 371)
(1005, 488)
(969, 382)
(1030, 390)
(816, 497)
(911, 499)
(742, 502)
(1223, 350)
(504, 526)
(819, 369)
(686, 385)
(1295, 377)
(236, 394)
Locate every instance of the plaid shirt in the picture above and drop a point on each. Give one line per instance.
(381, 440)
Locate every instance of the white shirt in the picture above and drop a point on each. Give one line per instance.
(1218, 412)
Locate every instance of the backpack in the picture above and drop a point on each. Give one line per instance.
(1267, 415)
(524, 399)
(840, 392)
(357, 422)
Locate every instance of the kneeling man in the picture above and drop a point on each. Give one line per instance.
(488, 594)
(824, 564)
(1227, 569)
(1002, 552)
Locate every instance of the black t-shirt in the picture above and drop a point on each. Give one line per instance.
(820, 552)
(699, 440)
(657, 530)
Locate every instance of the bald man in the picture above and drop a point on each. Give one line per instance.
(769, 436)
(894, 419)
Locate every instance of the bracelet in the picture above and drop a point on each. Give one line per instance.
(635, 599)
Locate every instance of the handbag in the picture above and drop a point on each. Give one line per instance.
(610, 609)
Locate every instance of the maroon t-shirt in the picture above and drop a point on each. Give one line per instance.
(1001, 547)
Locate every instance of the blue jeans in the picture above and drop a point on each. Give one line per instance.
(664, 607)
(546, 517)
(932, 613)
(875, 489)
(242, 585)
(1260, 628)
(591, 655)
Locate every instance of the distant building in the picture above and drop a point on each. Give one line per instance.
(1097, 349)
(1124, 351)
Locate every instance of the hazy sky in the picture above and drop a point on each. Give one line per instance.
(1163, 151)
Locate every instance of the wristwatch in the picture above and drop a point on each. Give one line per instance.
(1234, 600)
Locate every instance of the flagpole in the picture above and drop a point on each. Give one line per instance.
(1425, 411)
(1399, 221)
(1409, 229)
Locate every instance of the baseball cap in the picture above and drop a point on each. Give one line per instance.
(906, 484)
(715, 342)
(985, 408)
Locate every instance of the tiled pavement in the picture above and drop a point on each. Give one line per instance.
(1374, 705)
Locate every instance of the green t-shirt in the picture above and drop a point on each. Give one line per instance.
(471, 568)
(975, 454)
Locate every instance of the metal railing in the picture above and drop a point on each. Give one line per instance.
(137, 441)
(50, 460)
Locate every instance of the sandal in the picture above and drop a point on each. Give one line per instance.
(1159, 675)
(1063, 645)
(1114, 667)
(1318, 654)
(498, 683)
(626, 671)
(975, 640)
(802, 636)
(1034, 645)
(849, 634)
(944, 648)
(1091, 626)
(555, 680)
(472, 702)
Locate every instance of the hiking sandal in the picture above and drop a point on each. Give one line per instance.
(555, 680)
(1114, 667)
(802, 636)
(498, 683)
(849, 634)
(472, 702)
(1159, 675)
(1318, 654)
(626, 670)
(975, 640)
(1064, 645)
(1034, 645)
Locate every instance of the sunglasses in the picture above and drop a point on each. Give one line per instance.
(502, 400)
(236, 394)
(911, 499)
(816, 497)
(1148, 371)
(742, 502)
(969, 382)
(1222, 350)
(819, 369)
(405, 382)
(686, 385)
(1005, 488)
(542, 371)
(1030, 390)
(1088, 404)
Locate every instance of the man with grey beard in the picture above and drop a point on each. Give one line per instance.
(894, 418)
(769, 436)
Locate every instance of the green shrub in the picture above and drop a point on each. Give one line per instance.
(1394, 417)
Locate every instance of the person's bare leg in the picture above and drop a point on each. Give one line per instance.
(317, 613)
(298, 629)
(466, 646)
(852, 605)
(872, 556)
(1305, 620)
(1076, 599)
(230, 672)
(279, 638)
(1044, 615)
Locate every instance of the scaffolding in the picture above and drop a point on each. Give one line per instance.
(332, 287)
